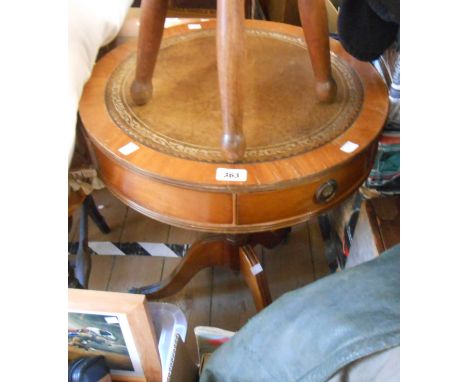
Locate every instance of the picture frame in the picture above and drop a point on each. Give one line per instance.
(117, 326)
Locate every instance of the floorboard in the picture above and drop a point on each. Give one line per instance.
(113, 211)
(183, 236)
(139, 228)
(231, 304)
(101, 270)
(135, 271)
(289, 266)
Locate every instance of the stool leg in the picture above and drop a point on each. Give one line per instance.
(314, 22)
(254, 277)
(230, 49)
(153, 14)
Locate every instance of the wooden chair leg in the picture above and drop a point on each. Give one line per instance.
(153, 14)
(230, 49)
(207, 252)
(254, 276)
(313, 15)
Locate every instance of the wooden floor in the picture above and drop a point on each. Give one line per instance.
(216, 297)
(384, 219)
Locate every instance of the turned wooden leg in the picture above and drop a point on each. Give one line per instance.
(254, 277)
(314, 22)
(215, 250)
(153, 14)
(230, 56)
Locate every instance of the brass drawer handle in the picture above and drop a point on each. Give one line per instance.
(326, 191)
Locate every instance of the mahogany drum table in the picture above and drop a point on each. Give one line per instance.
(164, 159)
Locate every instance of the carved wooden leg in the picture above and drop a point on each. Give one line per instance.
(153, 14)
(314, 22)
(254, 277)
(219, 250)
(215, 250)
(230, 55)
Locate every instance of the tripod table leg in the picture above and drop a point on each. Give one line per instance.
(204, 253)
(254, 276)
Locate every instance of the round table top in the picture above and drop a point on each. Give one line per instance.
(290, 136)
(281, 118)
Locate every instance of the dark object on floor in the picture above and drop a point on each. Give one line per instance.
(333, 245)
(92, 369)
(72, 280)
(350, 226)
(96, 216)
(83, 258)
(337, 248)
(368, 27)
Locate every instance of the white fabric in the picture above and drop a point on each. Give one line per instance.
(91, 25)
(380, 367)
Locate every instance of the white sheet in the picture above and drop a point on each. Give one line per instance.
(91, 25)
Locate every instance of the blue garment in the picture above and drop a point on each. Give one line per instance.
(313, 332)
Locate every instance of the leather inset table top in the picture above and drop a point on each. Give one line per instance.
(282, 117)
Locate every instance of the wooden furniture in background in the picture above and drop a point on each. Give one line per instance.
(302, 157)
(384, 219)
(376, 226)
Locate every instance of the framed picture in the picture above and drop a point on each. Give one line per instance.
(117, 326)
